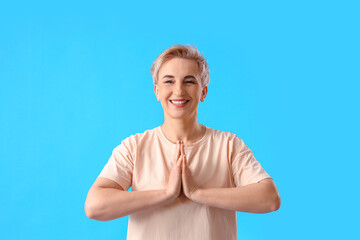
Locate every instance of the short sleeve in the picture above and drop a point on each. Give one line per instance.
(120, 165)
(245, 168)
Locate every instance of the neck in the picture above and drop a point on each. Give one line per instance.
(187, 130)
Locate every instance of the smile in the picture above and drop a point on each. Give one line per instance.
(179, 103)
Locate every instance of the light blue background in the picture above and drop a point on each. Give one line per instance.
(75, 82)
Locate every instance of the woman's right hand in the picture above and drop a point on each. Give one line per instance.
(173, 188)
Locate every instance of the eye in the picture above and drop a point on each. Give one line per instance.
(168, 81)
(189, 82)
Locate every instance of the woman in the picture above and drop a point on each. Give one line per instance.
(187, 180)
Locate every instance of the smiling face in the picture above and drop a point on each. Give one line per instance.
(179, 88)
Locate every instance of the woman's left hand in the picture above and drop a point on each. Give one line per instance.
(188, 184)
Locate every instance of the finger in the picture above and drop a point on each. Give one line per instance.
(182, 148)
(177, 153)
(183, 164)
(179, 162)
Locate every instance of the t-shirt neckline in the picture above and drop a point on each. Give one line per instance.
(207, 131)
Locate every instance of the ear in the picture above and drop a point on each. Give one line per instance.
(203, 93)
(156, 91)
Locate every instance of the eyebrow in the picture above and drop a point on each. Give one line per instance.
(186, 77)
(189, 76)
(168, 76)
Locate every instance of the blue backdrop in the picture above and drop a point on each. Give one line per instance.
(75, 81)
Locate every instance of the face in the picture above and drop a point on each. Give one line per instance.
(179, 88)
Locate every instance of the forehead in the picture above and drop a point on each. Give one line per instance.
(179, 66)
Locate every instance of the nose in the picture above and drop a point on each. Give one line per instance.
(179, 89)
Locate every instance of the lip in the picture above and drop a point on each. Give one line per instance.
(178, 99)
(179, 105)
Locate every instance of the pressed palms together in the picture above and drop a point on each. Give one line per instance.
(180, 179)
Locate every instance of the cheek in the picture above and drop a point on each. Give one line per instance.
(165, 96)
(197, 94)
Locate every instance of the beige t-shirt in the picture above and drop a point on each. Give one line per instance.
(218, 160)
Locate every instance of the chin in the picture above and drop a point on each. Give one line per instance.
(182, 115)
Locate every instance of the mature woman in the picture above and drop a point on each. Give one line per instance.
(187, 180)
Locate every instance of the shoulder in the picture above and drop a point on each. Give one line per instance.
(222, 135)
(230, 139)
(137, 138)
(150, 133)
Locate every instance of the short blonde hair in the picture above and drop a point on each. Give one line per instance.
(182, 51)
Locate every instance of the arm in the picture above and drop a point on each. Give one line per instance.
(107, 200)
(259, 197)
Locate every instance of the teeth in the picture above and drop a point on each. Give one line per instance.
(178, 102)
